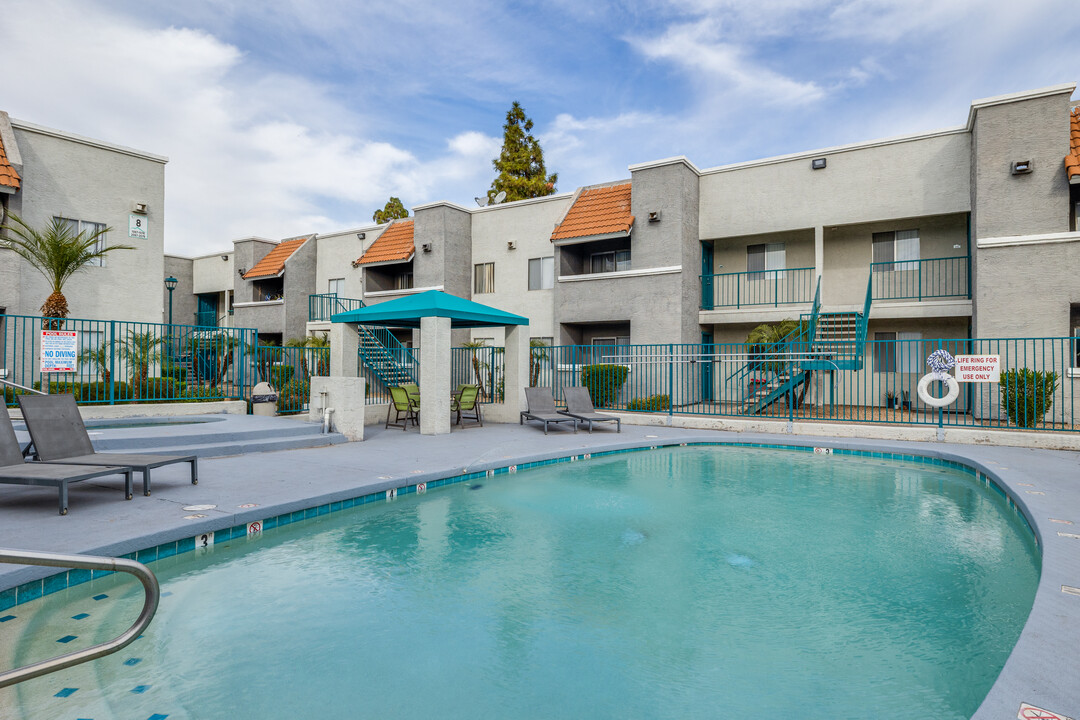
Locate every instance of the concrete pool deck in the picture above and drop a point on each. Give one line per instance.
(1045, 484)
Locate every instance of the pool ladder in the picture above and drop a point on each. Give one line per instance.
(87, 562)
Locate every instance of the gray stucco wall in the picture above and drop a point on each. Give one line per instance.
(299, 285)
(1025, 291)
(246, 253)
(183, 299)
(449, 230)
(81, 179)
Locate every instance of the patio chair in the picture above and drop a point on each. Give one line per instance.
(58, 435)
(579, 406)
(413, 390)
(465, 401)
(402, 404)
(542, 408)
(14, 471)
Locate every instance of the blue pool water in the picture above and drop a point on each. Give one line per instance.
(676, 583)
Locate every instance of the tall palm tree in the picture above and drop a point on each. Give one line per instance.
(56, 252)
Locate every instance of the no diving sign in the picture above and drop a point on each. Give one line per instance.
(978, 368)
(1030, 712)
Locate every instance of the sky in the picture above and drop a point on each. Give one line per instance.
(284, 117)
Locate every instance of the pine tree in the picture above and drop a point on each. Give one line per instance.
(521, 162)
(393, 210)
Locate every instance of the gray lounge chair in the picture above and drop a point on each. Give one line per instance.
(58, 435)
(579, 406)
(14, 471)
(542, 408)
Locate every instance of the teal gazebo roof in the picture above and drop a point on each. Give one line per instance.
(406, 312)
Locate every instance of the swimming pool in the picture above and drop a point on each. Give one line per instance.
(742, 579)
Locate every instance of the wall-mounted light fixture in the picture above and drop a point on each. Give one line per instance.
(426, 247)
(361, 236)
(225, 258)
(511, 245)
(654, 216)
(817, 164)
(138, 208)
(1022, 167)
(241, 271)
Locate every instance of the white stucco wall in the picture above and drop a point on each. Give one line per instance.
(211, 274)
(336, 253)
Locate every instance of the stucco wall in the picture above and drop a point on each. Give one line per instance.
(299, 285)
(183, 301)
(1025, 291)
(449, 264)
(212, 274)
(336, 253)
(246, 253)
(651, 304)
(924, 176)
(83, 180)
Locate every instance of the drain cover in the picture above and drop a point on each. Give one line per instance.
(195, 508)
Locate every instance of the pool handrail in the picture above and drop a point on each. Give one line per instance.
(88, 562)
(22, 387)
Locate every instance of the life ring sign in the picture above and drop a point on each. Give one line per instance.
(939, 362)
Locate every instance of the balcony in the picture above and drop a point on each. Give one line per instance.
(769, 288)
(921, 280)
(321, 307)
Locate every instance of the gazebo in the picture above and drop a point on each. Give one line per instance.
(435, 313)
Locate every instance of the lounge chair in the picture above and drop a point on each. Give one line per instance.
(580, 407)
(402, 404)
(465, 401)
(542, 408)
(58, 435)
(14, 471)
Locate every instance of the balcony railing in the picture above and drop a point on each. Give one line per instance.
(321, 307)
(770, 287)
(931, 279)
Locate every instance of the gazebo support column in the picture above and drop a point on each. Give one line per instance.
(344, 346)
(434, 375)
(516, 377)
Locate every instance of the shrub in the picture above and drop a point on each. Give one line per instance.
(293, 396)
(604, 382)
(652, 403)
(1026, 395)
(161, 388)
(281, 375)
(176, 371)
(98, 392)
(59, 387)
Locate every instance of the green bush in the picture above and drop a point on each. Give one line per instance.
(1027, 395)
(652, 403)
(163, 388)
(98, 392)
(176, 371)
(604, 382)
(293, 396)
(60, 387)
(280, 376)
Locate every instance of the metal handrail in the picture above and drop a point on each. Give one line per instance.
(21, 387)
(88, 562)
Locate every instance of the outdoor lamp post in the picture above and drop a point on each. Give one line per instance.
(170, 285)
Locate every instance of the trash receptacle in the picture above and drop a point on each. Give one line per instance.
(264, 400)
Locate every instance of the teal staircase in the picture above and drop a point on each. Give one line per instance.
(386, 359)
(823, 341)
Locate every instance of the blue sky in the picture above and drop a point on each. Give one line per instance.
(286, 116)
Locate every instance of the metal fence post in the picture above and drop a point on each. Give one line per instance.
(112, 362)
(671, 380)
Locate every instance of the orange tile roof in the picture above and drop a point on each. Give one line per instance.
(394, 245)
(274, 261)
(1072, 160)
(599, 211)
(8, 176)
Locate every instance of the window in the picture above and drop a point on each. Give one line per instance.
(766, 256)
(542, 273)
(90, 340)
(486, 342)
(616, 340)
(900, 247)
(548, 341)
(403, 280)
(897, 352)
(484, 278)
(611, 261)
(884, 352)
(89, 228)
(336, 286)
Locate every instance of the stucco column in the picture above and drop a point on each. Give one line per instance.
(819, 255)
(434, 376)
(344, 346)
(517, 369)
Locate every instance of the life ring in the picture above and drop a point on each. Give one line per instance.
(947, 399)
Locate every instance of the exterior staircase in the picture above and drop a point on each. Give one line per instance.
(386, 358)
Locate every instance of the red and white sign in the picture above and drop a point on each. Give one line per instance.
(59, 351)
(1030, 712)
(978, 368)
(254, 528)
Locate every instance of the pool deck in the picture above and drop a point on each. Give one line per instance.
(1045, 484)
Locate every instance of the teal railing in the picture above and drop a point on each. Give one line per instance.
(386, 362)
(770, 287)
(119, 361)
(932, 279)
(321, 307)
(289, 371)
(206, 319)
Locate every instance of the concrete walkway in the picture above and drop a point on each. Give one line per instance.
(244, 488)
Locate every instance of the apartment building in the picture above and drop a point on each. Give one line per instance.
(969, 231)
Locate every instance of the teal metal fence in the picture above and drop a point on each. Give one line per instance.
(321, 307)
(482, 366)
(806, 382)
(770, 287)
(289, 371)
(936, 278)
(116, 361)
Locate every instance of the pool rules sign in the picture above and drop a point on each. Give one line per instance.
(978, 368)
(59, 351)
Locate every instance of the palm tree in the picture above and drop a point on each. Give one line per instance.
(537, 357)
(98, 358)
(473, 345)
(140, 350)
(57, 253)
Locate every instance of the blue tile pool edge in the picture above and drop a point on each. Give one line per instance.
(35, 589)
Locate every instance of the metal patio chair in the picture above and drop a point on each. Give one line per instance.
(402, 404)
(58, 435)
(579, 405)
(542, 408)
(465, 401)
